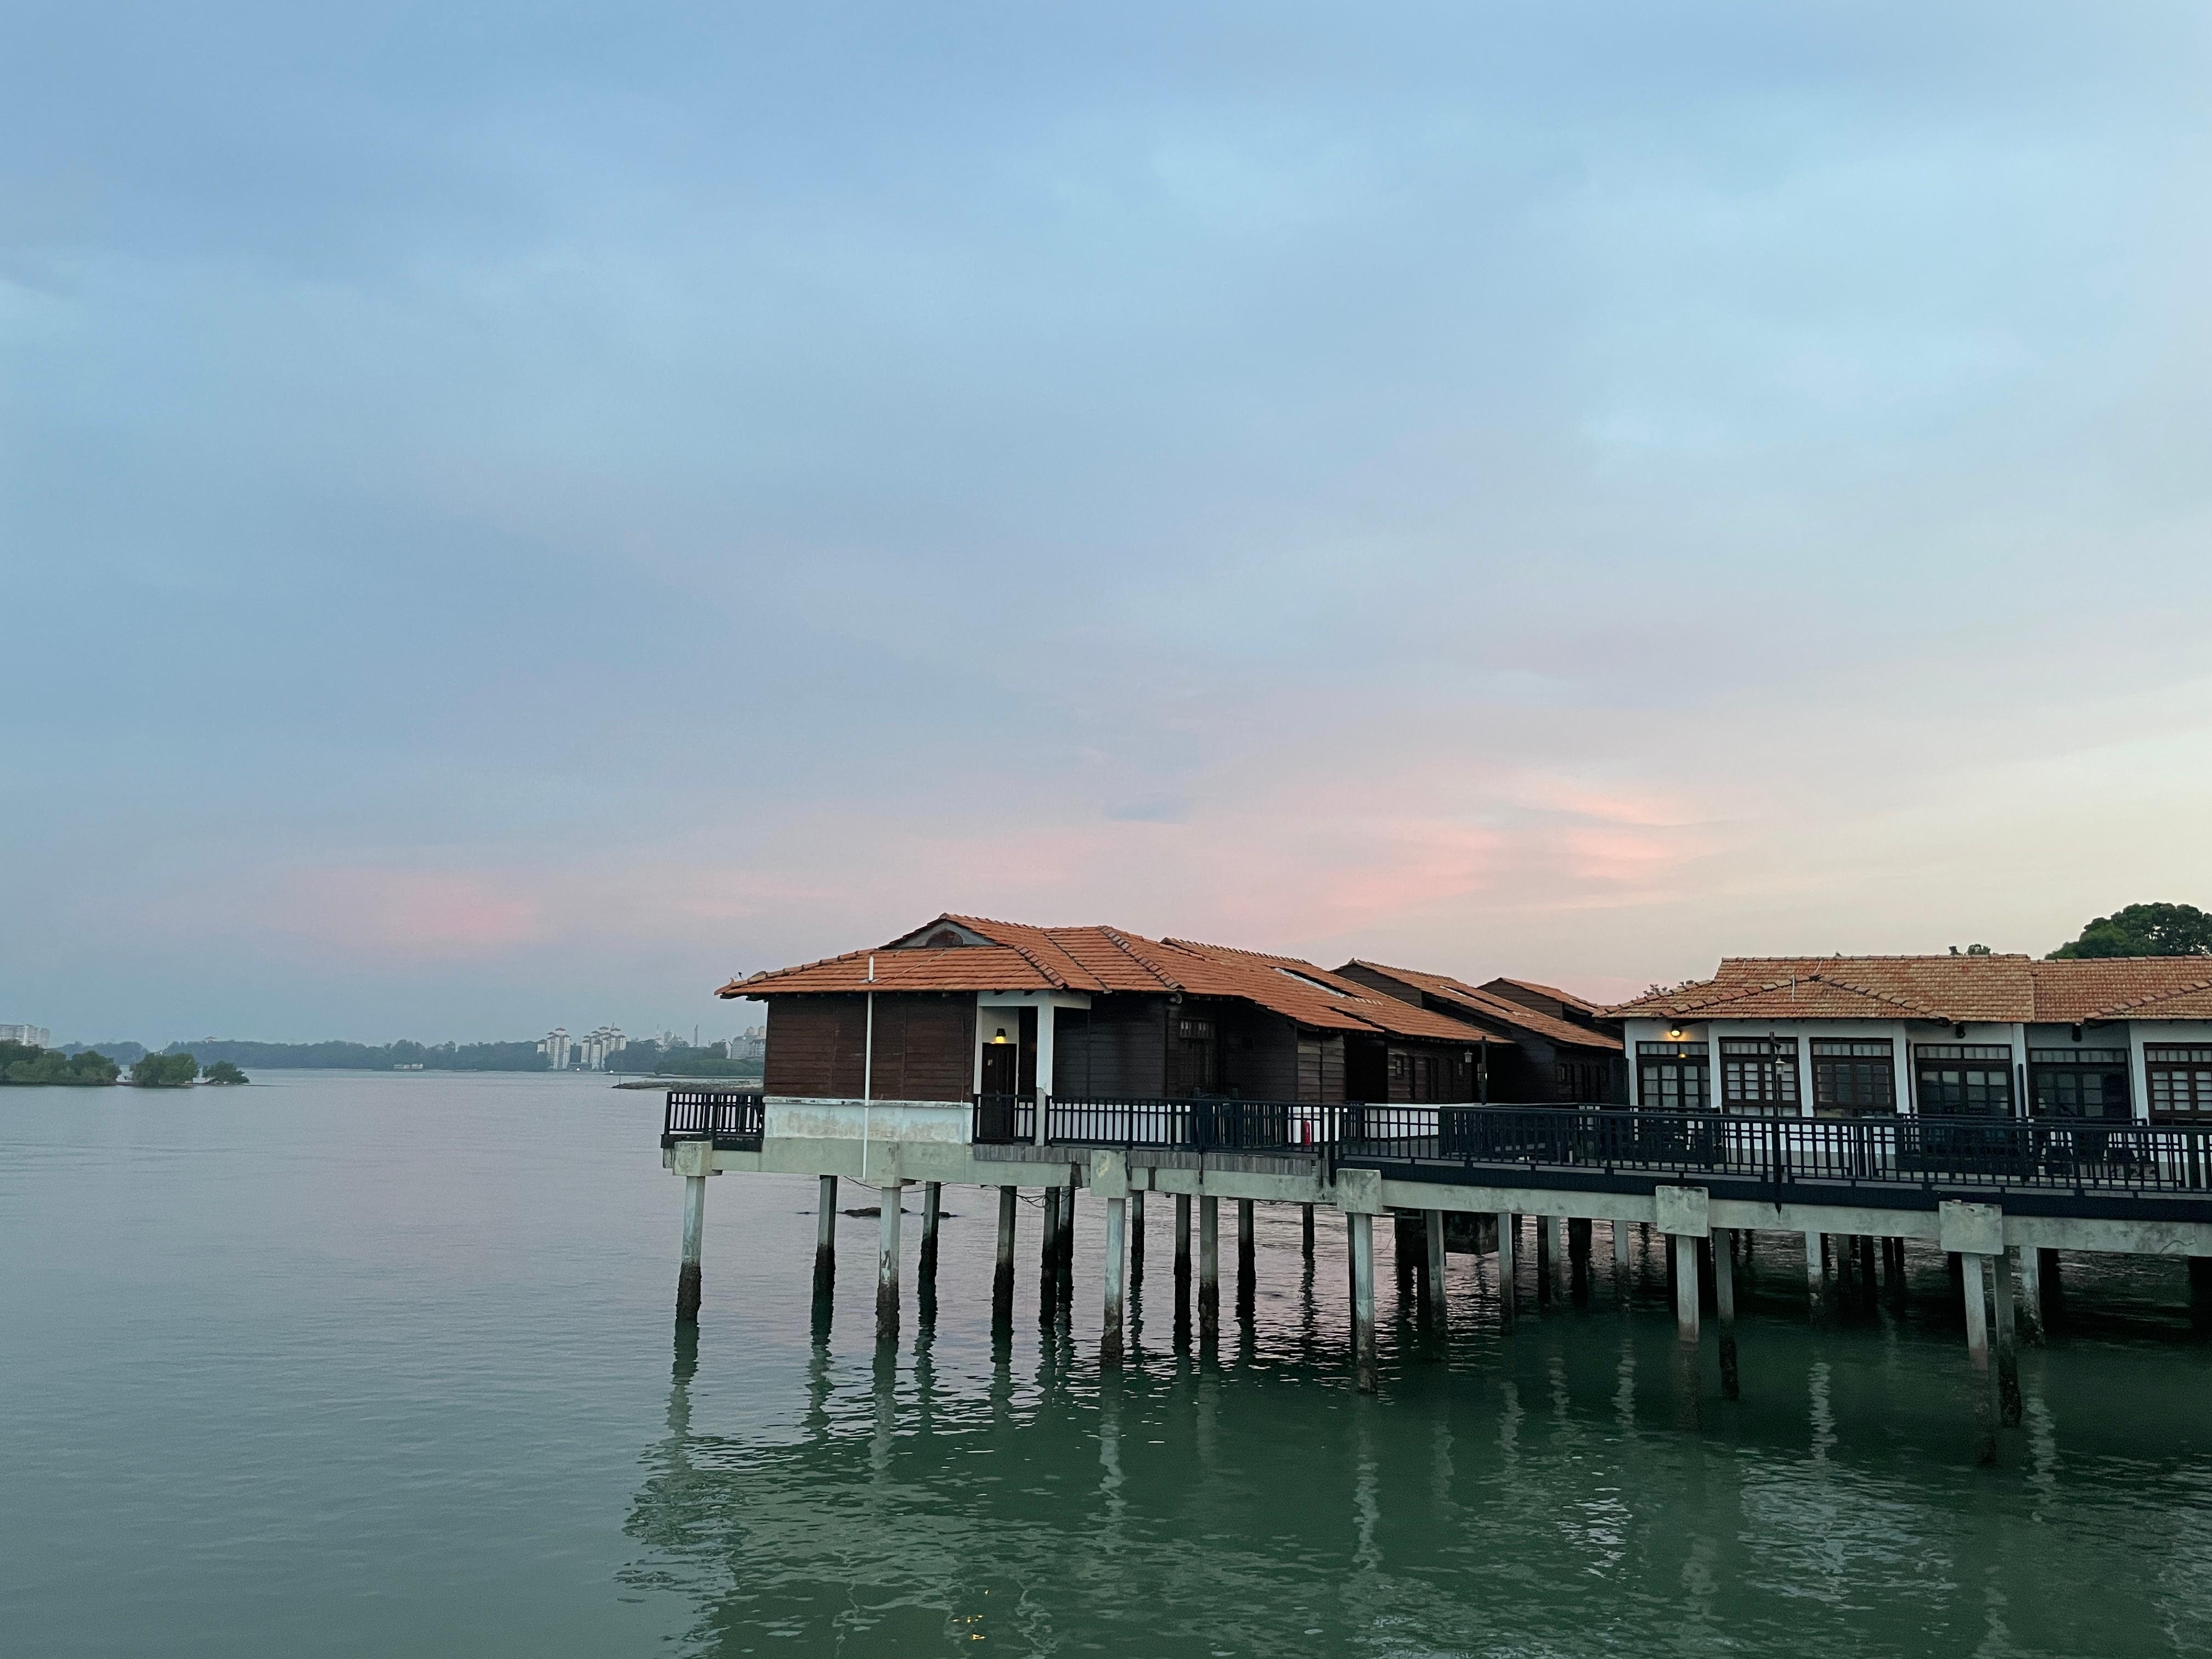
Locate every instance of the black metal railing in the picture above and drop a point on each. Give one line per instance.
(1921, 1152)
(1915, 1152)
(1004, 1120)
(732, 1119)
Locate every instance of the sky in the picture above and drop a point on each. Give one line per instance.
(514, 515)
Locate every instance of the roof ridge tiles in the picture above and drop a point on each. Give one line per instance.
(1120, 941)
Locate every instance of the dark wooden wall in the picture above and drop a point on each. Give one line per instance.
(1322, 1070)
(925, 1046)
(1259, 1052)
(1116, 1048)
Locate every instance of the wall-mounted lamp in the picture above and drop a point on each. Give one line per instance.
(1673, 1033)
(1001, 1036)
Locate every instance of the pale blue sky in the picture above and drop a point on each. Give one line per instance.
(512, 514)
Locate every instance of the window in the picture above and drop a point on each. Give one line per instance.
(2078, 1082)
(1854, 1077)
(1672, 1077)
(1760, 1075)
(1963, 1079)
(1583, 1081)
(2180, 1084)
(1193, 1058)
(1309, 981)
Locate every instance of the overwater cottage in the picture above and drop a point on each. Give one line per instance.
(1952, 1035)
(963, 1007)
(1540, 1044)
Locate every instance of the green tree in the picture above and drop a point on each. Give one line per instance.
(22, 1062)
(165, 1070)
(222, 1070)
(2143, 929)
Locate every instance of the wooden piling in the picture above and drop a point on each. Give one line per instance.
(887, 1264)
(1724, 1307)
(1110, 1341)
(695, 1228)
(2031, 1294)
(1622, 1276)
(1245, 1247)
(1578, 1260)
(2008, 1401)
(1545, 1264)
(933, 1208)
(1065, 1284)
(1972, 1285)
(1306, 1232)
(1182, 1260)
(1870, 1292)
(1360, 1237)
(1136, 1238)
(1049, 1258)
(825, 1238)
(1209, 1266)
(1002, 1276)
(1816, 1278)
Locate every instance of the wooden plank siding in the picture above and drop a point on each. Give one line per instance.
(1116, 1047)
(924, 1046)
(1320, 1069)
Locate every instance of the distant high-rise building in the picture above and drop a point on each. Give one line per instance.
(593, 1049)
(553, 1045)
(37, 1035)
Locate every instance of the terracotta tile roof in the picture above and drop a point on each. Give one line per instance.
(2003, 989)
(1020, 957)
(1567, 998)
(1483, 1005)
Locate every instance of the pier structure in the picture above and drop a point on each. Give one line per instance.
(995, 1056)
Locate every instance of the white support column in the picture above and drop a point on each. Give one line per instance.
(1973, 1287)
(1109, 1342)
(1816, 1277)
(1002, 1275)
(2031, 1294)
(1435, 1220)
(1506, 1273)
(695, 1225)
(1360, 1230)
(2009, 1399)
(1685, 1288)
(887, 1263)
(1046, 1023)
(1620, 1261)
(1209, 1266)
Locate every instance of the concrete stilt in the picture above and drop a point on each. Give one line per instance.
(1209, 1266)
(1244, 1265)
(1578, 1260)
(1621, 1264)
(1816, 1278)
(825, 1238)
(1870, 1292)
(1707, 1277)
(1182, 1259)
(1724, 1307)
(1360, 1236)
(2008, 1402)
(1973, 1294)
(1506, 1275)
(695, 1226)
(2031, 1294)
(1895, 1282)
(1002, 1278)
(1545, 1263)
(933, 1209)
(1305, 1230)
(1685, 1252)
(887, 1264)
(1137, 1238)
(1434, 1307)
(2054, 1292)
(1110, 1341)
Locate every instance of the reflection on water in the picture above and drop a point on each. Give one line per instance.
(1529, 1495)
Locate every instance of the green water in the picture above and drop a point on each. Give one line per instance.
(348, 1364)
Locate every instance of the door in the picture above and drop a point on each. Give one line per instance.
(1962, 1079)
